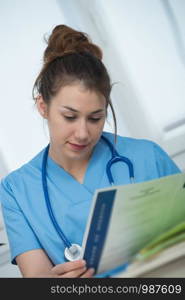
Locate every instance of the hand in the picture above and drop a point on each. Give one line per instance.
(72, 269)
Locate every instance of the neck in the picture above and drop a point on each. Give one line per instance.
(69, 165)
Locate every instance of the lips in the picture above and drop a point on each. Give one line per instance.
(77, 146)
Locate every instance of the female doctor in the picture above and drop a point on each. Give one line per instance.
(46, 202)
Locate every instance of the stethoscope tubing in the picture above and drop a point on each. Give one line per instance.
(115, 158)
(48, 203)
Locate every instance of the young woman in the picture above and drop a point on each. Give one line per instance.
(46, 202)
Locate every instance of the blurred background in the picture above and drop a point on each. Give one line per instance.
(144, 51)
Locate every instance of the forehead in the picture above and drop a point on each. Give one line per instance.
(79, 97)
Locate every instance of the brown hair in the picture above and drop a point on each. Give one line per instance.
(69, 57)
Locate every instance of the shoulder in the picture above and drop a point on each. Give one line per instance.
(15, 179)
(144, 152)
(128, 144)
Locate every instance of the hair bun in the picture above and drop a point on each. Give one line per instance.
(65, 40)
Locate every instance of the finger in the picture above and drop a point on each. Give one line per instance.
(68, 266)
(88, 274)
(74, 274)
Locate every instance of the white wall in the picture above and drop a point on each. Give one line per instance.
(147, 47)
(22, 26)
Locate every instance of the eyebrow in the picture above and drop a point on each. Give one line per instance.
(74, 110)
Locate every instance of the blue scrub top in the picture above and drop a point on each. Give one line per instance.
(25, 213)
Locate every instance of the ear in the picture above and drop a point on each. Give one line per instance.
(42, 107)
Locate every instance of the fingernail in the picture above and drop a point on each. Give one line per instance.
(83, 262)
(92, 270)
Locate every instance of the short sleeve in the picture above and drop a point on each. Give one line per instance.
(165, 165)
(20, 235)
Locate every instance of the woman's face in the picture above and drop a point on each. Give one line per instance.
(76, 118)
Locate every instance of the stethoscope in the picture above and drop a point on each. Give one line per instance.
(73, 251)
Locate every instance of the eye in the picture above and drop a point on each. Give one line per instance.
(69, 118)
(91, 119)
(94, 120)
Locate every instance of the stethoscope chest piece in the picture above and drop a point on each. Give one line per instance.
(73, 253)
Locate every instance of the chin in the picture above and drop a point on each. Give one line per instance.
(78, 155)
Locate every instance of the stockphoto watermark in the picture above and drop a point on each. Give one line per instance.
(125, 289)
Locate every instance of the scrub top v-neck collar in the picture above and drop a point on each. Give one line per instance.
(95, 173)
(96, 176)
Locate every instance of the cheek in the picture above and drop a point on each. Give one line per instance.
(58, 125)
(97, 130)
(102, 123)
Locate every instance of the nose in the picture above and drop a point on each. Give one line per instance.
(81, 131)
